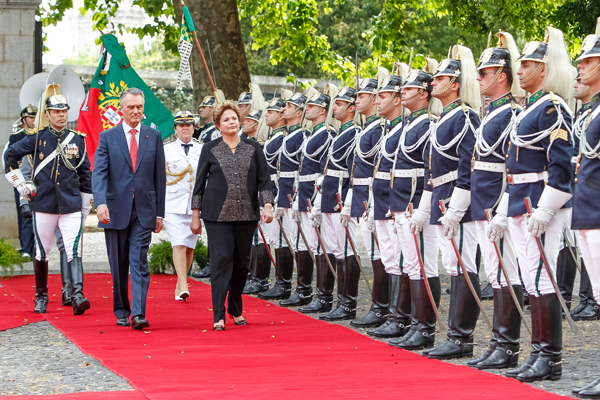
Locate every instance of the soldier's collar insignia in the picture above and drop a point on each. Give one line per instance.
(452, 105)
(318, 126)
(209, 124)
(293, 127)
(396, 121)
(277, 130)
(371, 118)
(586, 106)
(346, 125)
(418, 113)
(501, 100)
(535, 96)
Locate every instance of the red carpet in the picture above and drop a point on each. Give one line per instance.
(280, 354)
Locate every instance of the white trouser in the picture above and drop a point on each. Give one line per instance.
(389, 247)
(428, 244)
(334, 235)
(289, 225)
(274, 235)
(368, 240)
(536, 279)
(466, 243)
(490, 258)
(589, 240)
(44, 226)
(311, 236)
(59, 241)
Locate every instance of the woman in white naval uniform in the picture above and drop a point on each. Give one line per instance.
(181, 159)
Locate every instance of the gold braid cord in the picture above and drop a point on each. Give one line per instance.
(179, 176)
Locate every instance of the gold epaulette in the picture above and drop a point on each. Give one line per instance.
(465, 108)
(31, 131)
(82, 134)
(430, 116)
(554, 99)
(170, 139)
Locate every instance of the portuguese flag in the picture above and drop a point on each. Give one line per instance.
(101, 109)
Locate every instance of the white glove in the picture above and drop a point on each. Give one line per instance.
(346, 209)
(86, 204)
(315, 214)
(550, 202)
(278, 213)
(316, 219)
(418, 221)
(451, 222)
(499, 224)
(371, 220)
(15, 178)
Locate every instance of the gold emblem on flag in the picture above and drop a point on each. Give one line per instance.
(111, 96)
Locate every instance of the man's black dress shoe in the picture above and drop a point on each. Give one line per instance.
(139, 322)
(204, 273)
(123, 322)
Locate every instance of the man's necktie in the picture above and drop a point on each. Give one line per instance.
(186, 147)
(133, 149)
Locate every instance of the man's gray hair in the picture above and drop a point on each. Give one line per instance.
(133, 91)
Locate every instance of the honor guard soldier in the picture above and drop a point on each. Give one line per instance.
(407, 190)
(249, 102)
(208, 132)
(368, 143)
(312, 163)
(262, 263)
(24, 127)
(181, 158)
(538, 167)
(448, 163)
(250, 124)
(586, 210)
(499, 81)
(389, 105)
(315, 155)
(587, 309)
(287, 172)
(63, 181)
(335, 186)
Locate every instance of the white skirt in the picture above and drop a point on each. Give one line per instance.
(178, 228)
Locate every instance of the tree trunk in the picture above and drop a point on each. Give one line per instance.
(218, 22)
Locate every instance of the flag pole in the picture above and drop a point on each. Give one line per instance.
(190, 24)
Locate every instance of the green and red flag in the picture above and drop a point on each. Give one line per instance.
(101, 109)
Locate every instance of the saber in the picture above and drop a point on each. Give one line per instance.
(322, 244)
(575, 257)
(372, 233)
(421, 264)
(488, 217)
(362, 271)
(549, 272)
(266, 244)
(466, 274)
(302, 232)
(287, 241)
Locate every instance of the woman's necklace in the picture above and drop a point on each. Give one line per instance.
(236, 145)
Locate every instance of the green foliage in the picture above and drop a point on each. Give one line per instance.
(156, 57)
(174, 101)
(160, 256)
(83, 58)
(9, 258)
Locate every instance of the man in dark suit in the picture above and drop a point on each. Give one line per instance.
(129, 185)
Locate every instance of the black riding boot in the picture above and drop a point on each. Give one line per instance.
(340, 270)
(587, 309)
(451, 313)
(323, 301)
(303, 294)
(347, 308)
(535, 338)
(65, 277)
(40, 270)
(284, 271)
(549, 363)
(506, 354)
(566, 270)
(381, 297)
(497, 297)
(205, 272)
(262, 270)
(465, 313)
(410, 312)
(398, 319)
(424, 335)
(250, 287)
(78, 300)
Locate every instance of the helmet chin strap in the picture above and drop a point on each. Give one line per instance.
(587, 89)
(385, 106)
(269, 122)
(532, 74)
(366, 103)
(309, 116)
(292, 113)
(54, 123)
(491, 82)
(438, 92)
(591, 73)
(342, 111)
(250, 127)
(414, 95)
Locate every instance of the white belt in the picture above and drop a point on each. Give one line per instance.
(440, 180)
(287, 174)
(308, 178)
(489, 166)
(409, 173)
(273, 177)
(361, 181)
(383, 175)
(338, 174)
(531, 177)
(574, 159)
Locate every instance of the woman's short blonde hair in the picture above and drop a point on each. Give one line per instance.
(220, 108)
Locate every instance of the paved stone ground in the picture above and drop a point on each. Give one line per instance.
(38, 359)
(41, 344)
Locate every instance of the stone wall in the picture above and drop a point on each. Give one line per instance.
(17, 26)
